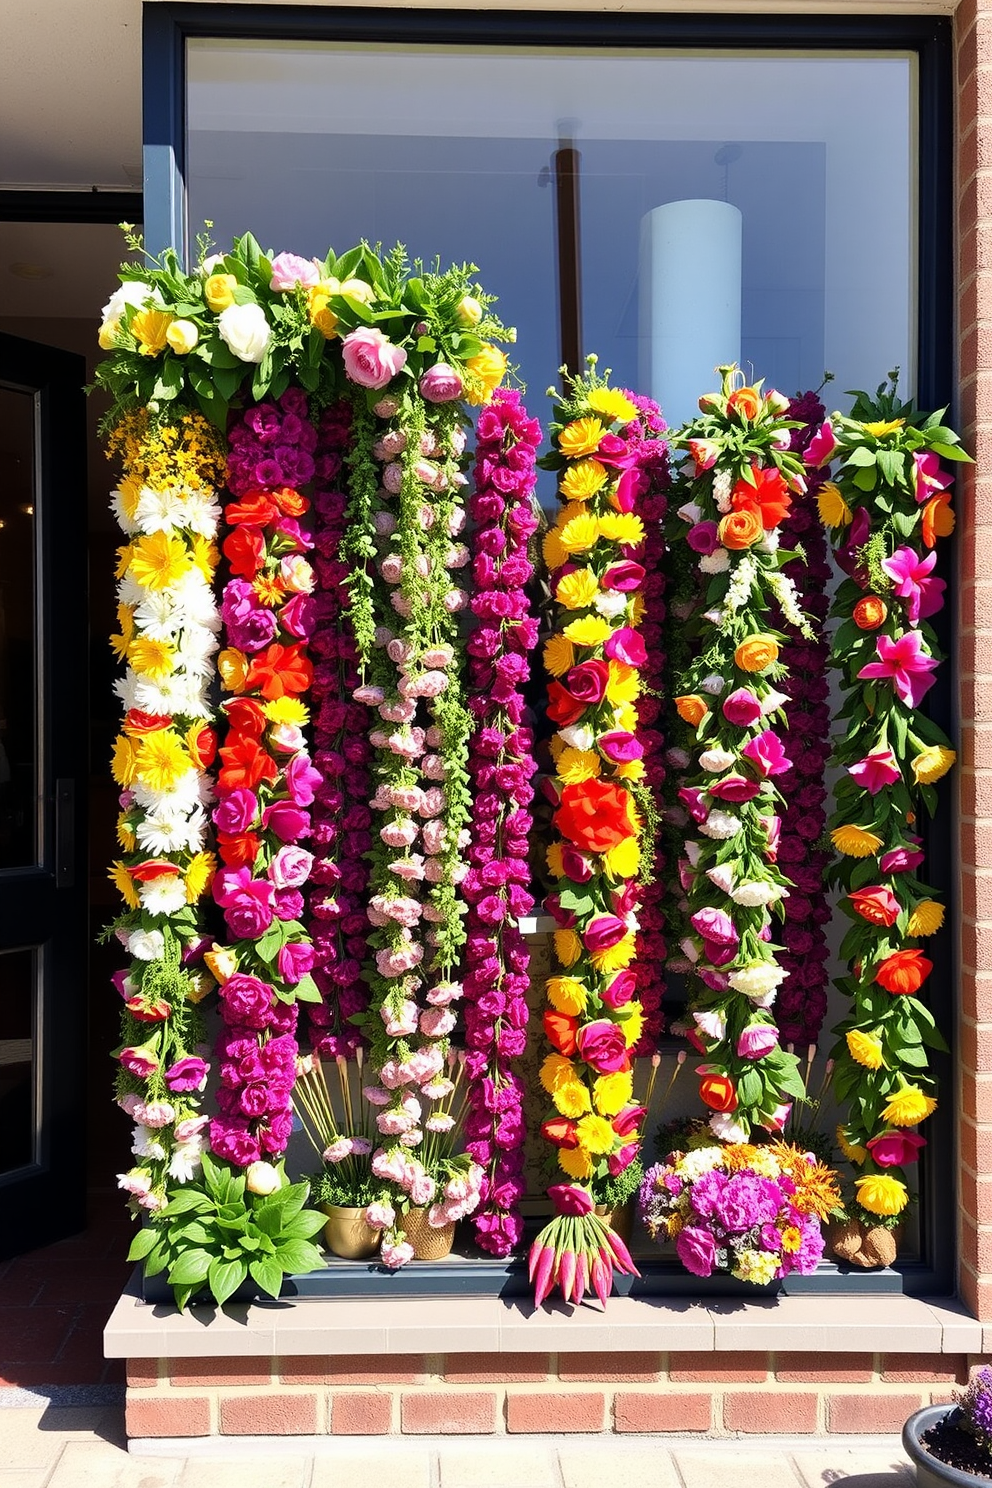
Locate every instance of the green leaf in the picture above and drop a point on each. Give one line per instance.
(268, 1274)
(190, 1268)
(224, 1278)
(308, 1223)
(892, 464)
(143, 1243)
(951, 452)
(865, 479)
(300, 1256)
(306, 989)
(186, 1201)
(861, 455)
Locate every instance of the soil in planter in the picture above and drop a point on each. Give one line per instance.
(956, 1448)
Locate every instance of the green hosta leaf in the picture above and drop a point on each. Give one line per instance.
(224, 1278)
(190, 1268)
(300, 1256)
(186, 1201)
(268, 1274)
(143, 1243)
(303, 1225)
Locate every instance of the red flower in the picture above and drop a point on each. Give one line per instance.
(279, 671)
(560, 1029)
(151, 869)
(137, 722)
(903, 971)
(238, 851)
(203, 748)
(256, 508)
(595, 815)
(768, 497)
(289, 501)
(561, 1131)
(562, 707)
(245, 551)
(717, 1092)
(245, 763)
(877, 904)
(246, 716)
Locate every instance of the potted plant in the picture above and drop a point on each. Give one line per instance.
(338, 1124)
(954, 1446)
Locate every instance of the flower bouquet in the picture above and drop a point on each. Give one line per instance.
(750, 1212)
(338, 1125)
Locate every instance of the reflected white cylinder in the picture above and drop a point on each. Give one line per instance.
(689, 301)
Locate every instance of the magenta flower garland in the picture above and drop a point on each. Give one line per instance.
(501, 768)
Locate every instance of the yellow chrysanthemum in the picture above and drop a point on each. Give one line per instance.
(567, 995)
(632, 1026)
(580, 438)
(624, 860)
(610, 1093)
(583, 480)
(122, 761)
(568, 947)
(552, 857)
(932, 764)
(552, 551)
(158, 560)
(834, 510)
(880, 1193)
(125, 835)
(612, 404)
(270, 589)
(908, 1106)
(151, 658)
(624, 685)
(576, 765)
(853, 1151)
(129, 491)
(125, 619)
(555, 1072)
(625, 528)
(579, 533)
(578, 589)
(161, 760)
(205, 556)
(615, 957)
(864, 1048)
(596, 1135)
(571, 1099)
(559, 655)
(590, 630)
(878, 430)
(287, 710)
(855, 842)
(124, 884)
(632, 770)
(637, 607)
(233, 668)
(199, 875)
(124, 556)
(575, 1162)
(926, 918)
(625, 718)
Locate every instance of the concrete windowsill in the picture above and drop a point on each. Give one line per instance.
(453, 1325)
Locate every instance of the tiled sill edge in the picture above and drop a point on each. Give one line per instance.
(457, 1325)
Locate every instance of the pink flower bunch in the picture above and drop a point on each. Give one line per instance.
(342, 819)
(272, 445)
(501, 768)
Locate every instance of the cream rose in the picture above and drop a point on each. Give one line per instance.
(245, 330)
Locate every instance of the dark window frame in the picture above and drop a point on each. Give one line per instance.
(168, 26)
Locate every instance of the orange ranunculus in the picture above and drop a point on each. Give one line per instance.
(691, 708)
(137, 723)
(870, 612)
(202, 745)
(560, 1030)
(279, 671)
(595, 815)
(290, 501)
(256, 508)
(746, 401)
(245, 763)
(561, 1131)
(740, 529)
(717, 1092)
(768, 496)
(233, 668)
(938, 519)
(756, 653)
(903, 971)
(876, 904)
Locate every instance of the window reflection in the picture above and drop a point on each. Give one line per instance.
(18, 635)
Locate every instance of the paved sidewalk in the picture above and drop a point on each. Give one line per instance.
(83, 1447)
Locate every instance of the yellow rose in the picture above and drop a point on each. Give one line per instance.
(233, 668)
(357, 289)
(182, 336)
(321, 317)
(150, 329)
(218, 291)
(468, 311)
(488, 368)
(221, 962)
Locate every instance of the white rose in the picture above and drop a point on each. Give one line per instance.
(690, 512)
(721, 825)
(579, 737)
(755, 893)
(716, 760)
(262, 1178)
(713, 684)
(772, 701)
(245, 330)
(146, 945)
(132, 292)
(722, 876)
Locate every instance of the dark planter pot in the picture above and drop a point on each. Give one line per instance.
(930, 1471)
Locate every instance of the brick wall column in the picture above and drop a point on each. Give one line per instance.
(973, 38)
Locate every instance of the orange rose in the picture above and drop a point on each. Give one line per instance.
(717, 1092)
(870, 612)
(691, 708)
(903, 971)
(745, 401)
(756, 653)
(740, 529)
(561, 1131)
(938, 519)
(595, 815)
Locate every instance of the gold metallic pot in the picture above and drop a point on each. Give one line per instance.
(348, 1233)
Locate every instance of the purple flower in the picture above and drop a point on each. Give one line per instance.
(696, 1249)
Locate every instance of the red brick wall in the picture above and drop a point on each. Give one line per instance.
(514, 1394)
(973, 36)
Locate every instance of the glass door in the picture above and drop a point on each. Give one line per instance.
(43, 765)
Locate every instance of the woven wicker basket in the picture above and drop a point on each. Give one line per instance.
(428, 1243)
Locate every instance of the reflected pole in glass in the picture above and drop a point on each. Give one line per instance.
(567, 165)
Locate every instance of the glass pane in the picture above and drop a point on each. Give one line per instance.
(18, 1059)
(452, 150)
(19, 680)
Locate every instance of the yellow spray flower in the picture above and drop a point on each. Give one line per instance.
(865, 1048)
(622, 527)
(150, 330)
(552, 857)
(932, 763)
(270, 589)
(878, 430)
(583, 480)
(568, 947)
(610, 1093)
(615, 957)
(161, 761)
(553, 552)
(158, 560)
(576, 765)
(575, 1162)
(287, 710)
(853, 1151)
(567, 995)
(926, 918)
(632, 770)
(125, 619)
(124, 884)
(578, 589)
(880, 1193)
(596, 1135)
(834, 510)
(623, 860)
(908, 1106)
(559, 655)
(855, 842)
(579, 533)
(581, 437)
(625, 718)
(151, 658)
(792, 1239)
(199, 875)
(590, 630)
(122, 761)
(624, 685)
(571, 1099)
(612, 404)
(637, 609)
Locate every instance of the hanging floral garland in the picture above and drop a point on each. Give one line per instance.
(886, 512)
(166, 504)
(501, 768)
(740, 476)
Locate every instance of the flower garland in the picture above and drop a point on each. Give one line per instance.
(166, 505)
(501, 768)
(266, 781)
(341, 818)
(741, 476)
(886, 512)
(802, 999)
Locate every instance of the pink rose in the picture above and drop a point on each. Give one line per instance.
(369, 358)
(440, 384)
(742, 708)
(766, 752)
(601, 1044)
(603, 931)
(893, 1149)
(620, 990)
(289, 271)
(294, 961)
(626, 645)
(290, 867)
(757, 1040)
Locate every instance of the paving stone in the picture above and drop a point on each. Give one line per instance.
(375, 1467)
(290, 1472)
(36, 1478)
(702, 1469)
(26, 1448)
(612, 1465)
(874, 1469)
(497, 1464)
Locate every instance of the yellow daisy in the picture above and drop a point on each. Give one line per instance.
(199, 875)
(612, 404)
(582, 437)
(161, 761)
(583, 480)
(624, 684)
(567, 995)
(589, 630)
(559, 655)
(622, 527)
(270, 589)
(632, 1024)
(596, 1135)
(610, 1093)
(579, 533)
(576, 765)
(908, 1106)
(571, 1099)
(865, 1048)
(124, 884)
(568, 947)
(624, 860)
(878, 430)
(122, 761)
(158, 560)
(578, 589)
(552, 550)
(932, 763)
(287, 710)
(575, 1162)
(632, 770)
(855, 842)
(834, 510)
(615, 957)
(553, 859)
(151, 658)
(853, 1151)
(205, 557)
(880, 1193)
(125, 835)
(926, 918)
